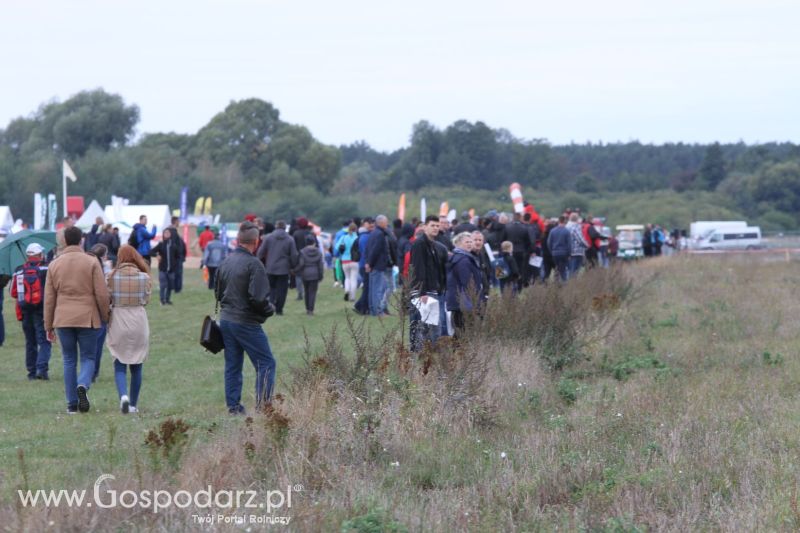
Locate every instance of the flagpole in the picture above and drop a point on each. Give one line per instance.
(64, 180)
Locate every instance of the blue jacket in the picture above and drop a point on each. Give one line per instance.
(143, 238)
(214, 254)
(464, 281)
(363, 239)
(559, 242)
(378, 250)
(348, 239)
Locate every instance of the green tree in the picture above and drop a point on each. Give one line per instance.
(712, 170)
(90, 119)
(241, 133)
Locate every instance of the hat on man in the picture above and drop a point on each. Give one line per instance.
(34, 248)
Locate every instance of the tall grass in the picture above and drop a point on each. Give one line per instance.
(669, 418)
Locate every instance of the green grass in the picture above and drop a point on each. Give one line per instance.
(180, 380)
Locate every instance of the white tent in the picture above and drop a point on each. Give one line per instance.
(129, 214)
(125, 216)
(88, 217)
(6, 220)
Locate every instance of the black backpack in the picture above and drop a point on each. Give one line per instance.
(132, 240)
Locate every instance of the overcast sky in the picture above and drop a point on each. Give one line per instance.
(580, 70)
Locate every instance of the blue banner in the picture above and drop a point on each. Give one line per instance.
(223, 234)
(184, 192)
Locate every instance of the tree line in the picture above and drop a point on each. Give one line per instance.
(249, 160)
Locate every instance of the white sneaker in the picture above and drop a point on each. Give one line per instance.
(133, 409)
(124, 404)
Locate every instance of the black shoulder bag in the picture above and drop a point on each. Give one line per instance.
(210, 333)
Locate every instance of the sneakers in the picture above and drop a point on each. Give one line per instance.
(72, 410)
(133, 409)
(43, 376)
(237, 410)
(83, 400)
(347, 297)
(124, 404)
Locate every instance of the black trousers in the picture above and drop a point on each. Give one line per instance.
(310, 293)
(212, 276)
(278, 287)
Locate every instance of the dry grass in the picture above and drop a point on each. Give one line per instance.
(672, 418)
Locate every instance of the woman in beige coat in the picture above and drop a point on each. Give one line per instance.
(128, 331)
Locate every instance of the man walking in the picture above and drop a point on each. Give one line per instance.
(428, 280)
(76, 303)
(27, 287)
(362, 305)
(242, 293)
(140, 238)
(379, 266)
(279, 254)
(559, 242)
(213, 255)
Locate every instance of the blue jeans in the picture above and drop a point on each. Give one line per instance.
(378, 285)
(419, 332)
(37, 347)
(166, 282)
(575, 264)
(250, 338)
(72, 340)
(101, 340)
(561, 263)
(443, 315)
(362, 305)
(120, 377)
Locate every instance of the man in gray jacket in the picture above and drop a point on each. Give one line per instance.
(278, 252)
(242, 293)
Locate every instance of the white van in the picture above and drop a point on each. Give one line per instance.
(748, 238)
(703, 228)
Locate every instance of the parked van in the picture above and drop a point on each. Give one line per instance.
(704, 228)
(748, 238)
(629, 237)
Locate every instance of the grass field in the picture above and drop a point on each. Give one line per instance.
(180, 379)
(660, 398)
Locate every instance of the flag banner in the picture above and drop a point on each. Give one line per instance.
(208, 206)
(515, 191)
(183, 215)
(451, 215)
(223, 234)
(401, 207)
(39, 215)
(423, 208)
(443, 209)
(198, 206)
(67, 171)
(52, 212)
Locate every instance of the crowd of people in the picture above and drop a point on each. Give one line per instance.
(91, 290)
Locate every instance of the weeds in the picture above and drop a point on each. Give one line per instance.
(169, 442)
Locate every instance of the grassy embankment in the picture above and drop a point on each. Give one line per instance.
(666, 403)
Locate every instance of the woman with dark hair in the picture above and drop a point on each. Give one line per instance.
(128, 330)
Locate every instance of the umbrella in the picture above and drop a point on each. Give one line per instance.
(12, 249)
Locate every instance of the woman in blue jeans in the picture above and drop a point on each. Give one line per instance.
(128, 330)
(101, 252)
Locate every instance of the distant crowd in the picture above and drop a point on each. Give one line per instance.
(91, 290)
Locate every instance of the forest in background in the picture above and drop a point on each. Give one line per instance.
(249, 160)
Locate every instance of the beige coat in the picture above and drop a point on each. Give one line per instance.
(75, 294)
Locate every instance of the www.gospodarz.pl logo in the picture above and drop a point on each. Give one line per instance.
(155, 500)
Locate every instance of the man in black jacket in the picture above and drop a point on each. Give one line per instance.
(428, 280)
(242, 291)
(518, 234)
